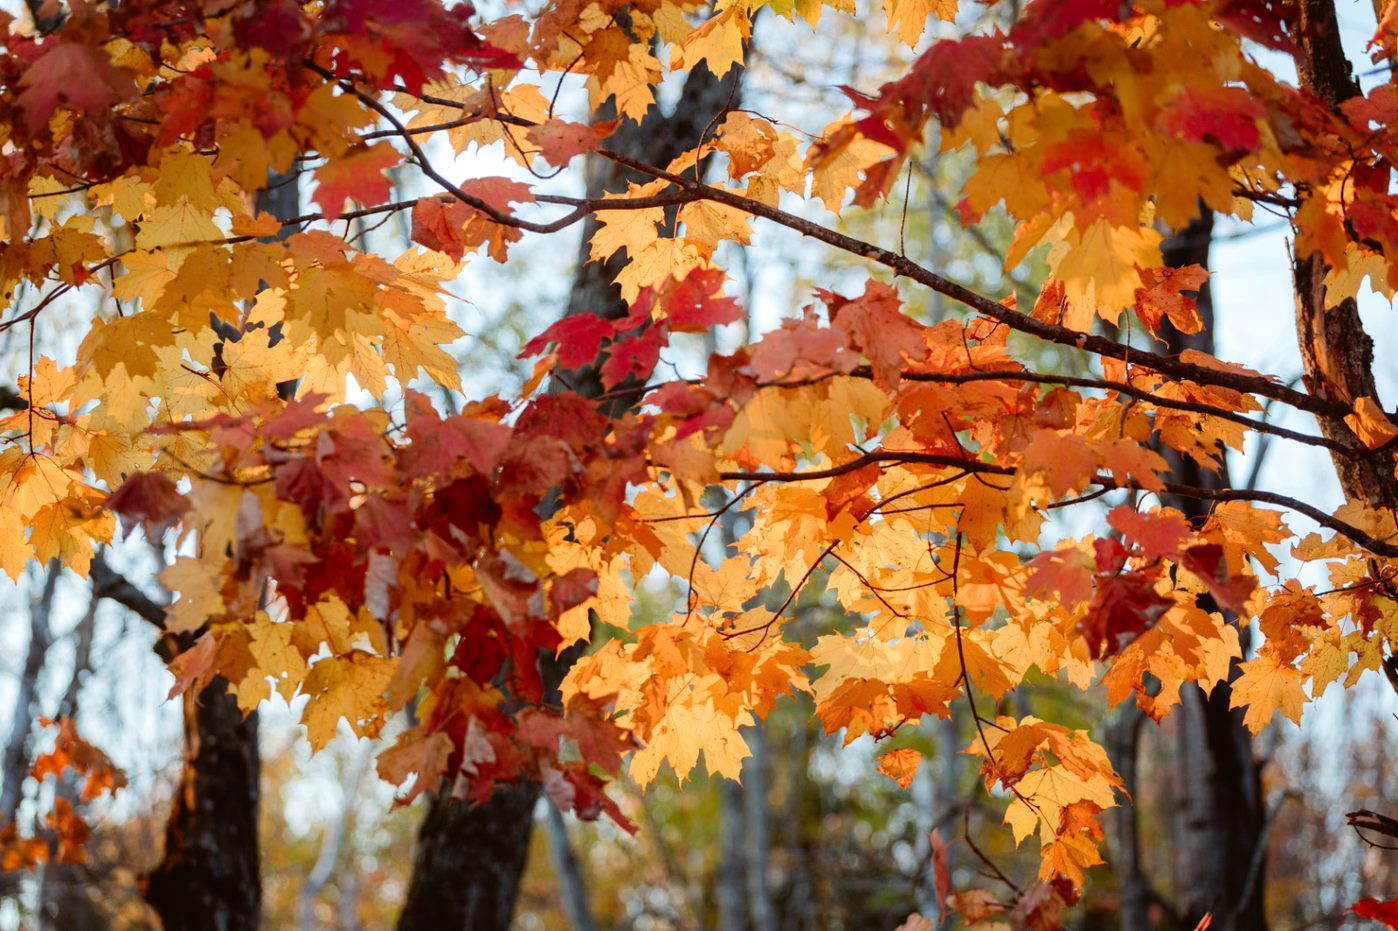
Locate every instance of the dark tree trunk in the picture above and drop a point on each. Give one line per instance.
(469, 859)
(1122, 743)
(1336, 352)
(209, 876)
(442, 895)
(1220, 807)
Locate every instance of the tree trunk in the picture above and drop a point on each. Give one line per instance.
(1122, 743)
(730, 883)
(444, 893)
(469, 860)
(209, 876)
(1336, 352)
(1221, 809)
(571, 881)
(757, 798)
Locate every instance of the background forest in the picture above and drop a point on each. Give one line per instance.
(814, 836)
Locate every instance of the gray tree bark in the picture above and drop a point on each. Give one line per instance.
(730, 882)
(16, 758)
(757, 811)
(572, 884)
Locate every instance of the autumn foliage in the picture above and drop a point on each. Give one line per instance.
(376, 555)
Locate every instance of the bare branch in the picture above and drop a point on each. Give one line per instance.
(108, 583)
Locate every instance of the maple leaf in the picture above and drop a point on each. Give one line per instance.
(1162, 299)
(694, 304)
(900, 766)
(1225, 116)
(1065, 573)
(1159, 532)
(48, 80)
(687, 730)
(878, 329)
(149, 499)
(349, 687)
(1206, 560)
(1369, 422)
(1384, 912)
(633, 357)
(415, 754)
(1265, 687)
(579, 338)
(357, 175)
(407, 39)
(560, 141)
(1123, 607)
(909, 17)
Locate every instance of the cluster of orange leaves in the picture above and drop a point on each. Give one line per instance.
(80, 772)
(417, 557)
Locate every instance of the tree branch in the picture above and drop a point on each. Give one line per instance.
(108, 583)
(901, 265)
(1372, 544)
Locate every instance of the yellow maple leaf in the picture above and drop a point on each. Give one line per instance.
(187, 175)
(1326, 662)
(1371, 424)
(179, 224)
(1042, 795)
(199, 593)
(1098, 265)
(719, 42)
(1265, 687)
(632, 230)
(900, 765)
(277, 658)
(350, 687)
(726, 589)
(909, 17)
(15, 551)
(661, 260)
(687, 729)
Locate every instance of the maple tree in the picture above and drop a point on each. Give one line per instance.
(373, 557)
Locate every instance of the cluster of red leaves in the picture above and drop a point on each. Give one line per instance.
(691, 305)
(267, 81)
(390, 532)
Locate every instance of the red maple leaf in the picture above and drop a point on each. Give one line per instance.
(697, 303)
(1125, 605)
(1158, 533)
(1228, 117)
(356, 175)
(149, 499)
(943, 79)
(878, 328)
(579, 338)
(1384, 912)
(1207, 561)
(634, 357)
(69, 72)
